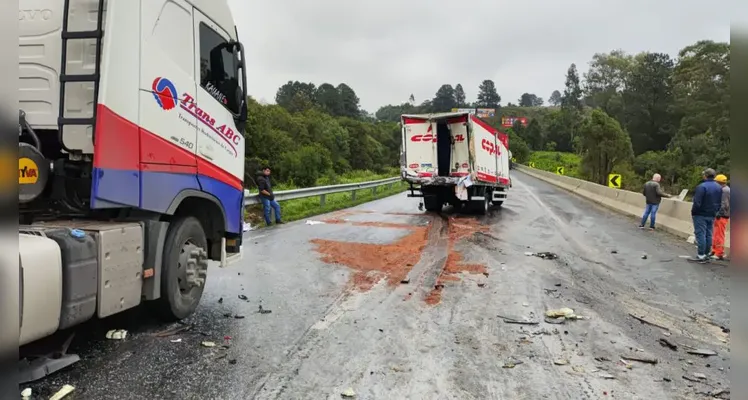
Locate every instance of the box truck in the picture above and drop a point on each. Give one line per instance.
(454, 158)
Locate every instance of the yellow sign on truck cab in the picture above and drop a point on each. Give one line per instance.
(28, 171)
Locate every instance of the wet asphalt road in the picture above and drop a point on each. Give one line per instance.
(328, 332)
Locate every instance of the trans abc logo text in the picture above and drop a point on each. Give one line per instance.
(166, 96)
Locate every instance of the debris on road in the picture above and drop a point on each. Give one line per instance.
(263, 311)
(66, 390)
(116, 334)
(26, 393)
(666, 343)
(348, 393)
(238, 316)
(645, 321)
(173, 331)
(697, 377)
(702, 352)
(243, 297)
(177, 341)
(606, 375)
(546, 255)
(509, 320)
(561, 361)
(511, 363)
(220, 301)
(645, 360)
(208, 344)
(562, 312)
(311, 222)
(644, 256)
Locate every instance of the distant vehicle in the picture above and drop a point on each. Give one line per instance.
(131, 158)
(454, 158)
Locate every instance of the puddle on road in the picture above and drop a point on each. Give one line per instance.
(392, 262)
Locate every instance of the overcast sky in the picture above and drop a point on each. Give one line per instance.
(387, 49)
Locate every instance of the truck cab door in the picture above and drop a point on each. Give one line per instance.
(167, 83)
(219, 99)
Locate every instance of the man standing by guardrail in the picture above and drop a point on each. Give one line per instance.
(707, 200)
(653, 195)
(267, 198)
(723, 217)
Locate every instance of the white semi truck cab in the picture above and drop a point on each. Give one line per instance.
(131, 158)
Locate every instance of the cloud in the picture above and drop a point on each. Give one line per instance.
(387, 49)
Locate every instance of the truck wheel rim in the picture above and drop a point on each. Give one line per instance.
(191, 267)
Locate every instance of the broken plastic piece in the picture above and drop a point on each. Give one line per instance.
(348, 393)
(177, 341)
(66, 390)
(116, 334)
(208, 344)
(26, 393)
(310, 222)
(561, 362)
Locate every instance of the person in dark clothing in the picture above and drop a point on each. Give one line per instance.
(267, 198)
(653, 195)
(707, 201)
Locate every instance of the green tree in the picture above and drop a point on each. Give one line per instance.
(648, 99)
(555, 99)
(603, 145)
(518, 146)
(534, 135)
(572, 98)
(487, 95)
(328, 98)
(296, 96)
(305, 165)
(349, 101)
(605, 81)
(460, 96)
(530, 100)
(445, 99)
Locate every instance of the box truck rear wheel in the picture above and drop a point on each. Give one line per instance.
(481, 206)
(432, 203)
(184, 268)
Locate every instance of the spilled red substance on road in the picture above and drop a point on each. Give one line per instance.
(373, 262)
(459, 229)
(392, 262)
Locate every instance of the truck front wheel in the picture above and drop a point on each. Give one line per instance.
(184, 268)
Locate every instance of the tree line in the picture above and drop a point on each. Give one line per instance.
(314, 132)
(633, 114)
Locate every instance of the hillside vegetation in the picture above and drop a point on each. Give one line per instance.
(633, 114)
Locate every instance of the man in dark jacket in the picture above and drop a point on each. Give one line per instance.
(267, 198)
(653, 195)
(707, 200)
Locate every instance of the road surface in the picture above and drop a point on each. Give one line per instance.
(394, 303)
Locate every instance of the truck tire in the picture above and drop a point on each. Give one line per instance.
(481, 206)
(432, 203)
(184, 269)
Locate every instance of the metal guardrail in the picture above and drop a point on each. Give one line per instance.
(321, 191)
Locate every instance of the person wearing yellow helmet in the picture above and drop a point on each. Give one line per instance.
(721, 220)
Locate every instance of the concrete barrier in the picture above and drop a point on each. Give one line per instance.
(673, 216)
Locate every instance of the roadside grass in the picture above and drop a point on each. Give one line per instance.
(292, 210)
(550, 160)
